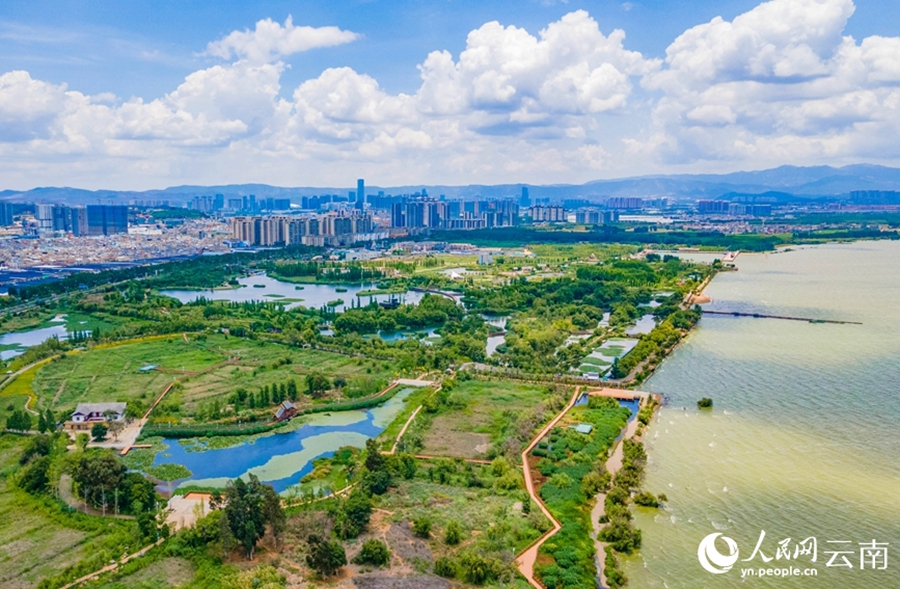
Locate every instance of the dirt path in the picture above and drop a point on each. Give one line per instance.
(113, 566)
(406, 425)
(62, 387)
(68, 497)
(409, 421)
(527, 557)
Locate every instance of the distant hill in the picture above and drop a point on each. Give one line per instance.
(783, 183)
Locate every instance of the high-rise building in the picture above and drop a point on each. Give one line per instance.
(525, 199)
(44, 216)
(625, 202)
(550, 214)
(360, 194)
(422, 212)
(219, 202)
(107, 219)
(6, 214)
(78, 221)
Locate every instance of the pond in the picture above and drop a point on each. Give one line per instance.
(429, 335)
(262, 288)
(282, 459)
(494, 342)
(644, 325)
(15, 343)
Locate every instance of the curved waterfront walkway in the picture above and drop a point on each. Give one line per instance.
(527, 557)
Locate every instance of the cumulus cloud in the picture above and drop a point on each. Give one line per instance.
(271, 40)
(571, 67)
(778, 84)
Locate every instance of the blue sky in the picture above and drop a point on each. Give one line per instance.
(132, 94)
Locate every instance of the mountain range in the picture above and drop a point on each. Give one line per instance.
(784, 182)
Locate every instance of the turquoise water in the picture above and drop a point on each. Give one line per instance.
(803, 438)
(282, 459)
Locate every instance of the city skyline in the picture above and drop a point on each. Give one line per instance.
(560, 95)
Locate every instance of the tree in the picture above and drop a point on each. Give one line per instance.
(422, 527)
(358, 508)
(19, 421)
(292, 390)
(325, 557)
(374, 460)
(97, 476)
(317, 384)
(98, 432)
(376, 483)
(373, 552)
(81, 441)
(244, 512)
(273, 512)
(36, 446)
(34, 478)
(406, 465)
(42, 423)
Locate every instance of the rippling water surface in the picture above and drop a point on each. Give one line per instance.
(804, 439)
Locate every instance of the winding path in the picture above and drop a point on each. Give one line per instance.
(527, 557)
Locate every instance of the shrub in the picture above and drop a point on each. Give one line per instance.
(445, 567)
(508, 482)
(374, 552)
(646, 500)
(453, 533)
(478, 570)
(705, 403)
(421, 527)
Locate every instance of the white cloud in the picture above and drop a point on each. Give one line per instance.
(271, 40)
(570, 68)
(778, 84)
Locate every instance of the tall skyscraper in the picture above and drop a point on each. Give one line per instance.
(360, 194)
(525, 199)
(6, 214)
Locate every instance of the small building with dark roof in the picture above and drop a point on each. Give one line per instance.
(285, 411)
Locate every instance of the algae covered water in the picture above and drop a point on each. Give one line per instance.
(804, 438)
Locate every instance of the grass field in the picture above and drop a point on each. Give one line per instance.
(111, 374)
(165, 573)
(208, 369)
(478, 416)
(257, 365)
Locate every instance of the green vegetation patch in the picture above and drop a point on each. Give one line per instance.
(573, 464)
(169, 472)
(483, 417)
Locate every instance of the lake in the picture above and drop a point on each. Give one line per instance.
(281, 459)
(803, 437)
(260, 287)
